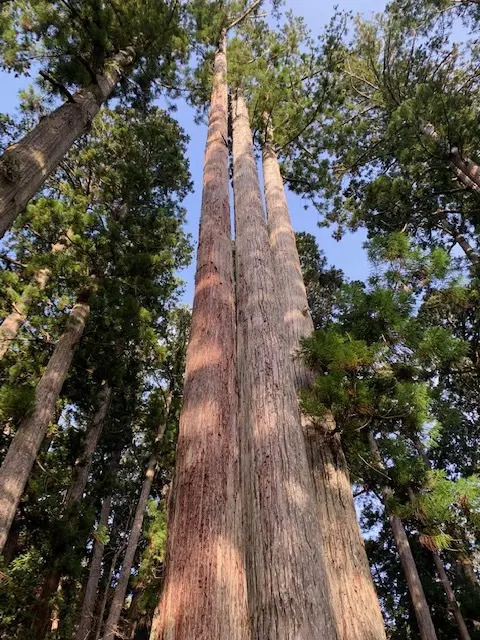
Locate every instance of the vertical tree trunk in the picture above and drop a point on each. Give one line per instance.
(287, 582)
(353, 597)
(116, 606)
(84, 631)
(417, 595)
(26, 443)
(442, 574)
(94, 431)
(204, 594)
(452, 601)
(26, 165)
(12, 323)
(105, 591)
(45, 615)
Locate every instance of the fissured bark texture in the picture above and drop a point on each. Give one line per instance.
(26, 443)
(352, 593)
(26, 165)
(204, 593)
(287, 582)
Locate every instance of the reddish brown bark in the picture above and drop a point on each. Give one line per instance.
(287, 582)
(26, 443)
(417, 595)
(204, 594)
(26, 165)
(353, 597)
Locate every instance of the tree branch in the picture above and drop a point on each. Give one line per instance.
(245, 14)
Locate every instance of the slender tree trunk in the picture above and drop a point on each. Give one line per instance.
(417, 595)
(12, 323)
(46, 615)
(116, 606)
(94, 431)
(105, 592)
(452, 601)
(26, 165)
(442, 574)
(26, 443)
(204, 593)
(287, 582)
(353, 597)
(84, 631)
(467, 171)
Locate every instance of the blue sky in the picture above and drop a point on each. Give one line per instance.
(346, 254)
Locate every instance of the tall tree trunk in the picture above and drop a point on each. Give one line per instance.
(45, 614)
(83, 464)
(104, 592)
(417, 595)
(452, 601)
(116, 606)
(467, 171)
(26, 443)
(442, 574)
(26, 165)
(84, 631)
(287, 581)
(353, 597)
(12, 323)
(204, 594)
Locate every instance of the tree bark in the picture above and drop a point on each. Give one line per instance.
(12, 323)
(452, 601)
(467, 171)
(26, 165)
(353, 597)
(26, 443)
(84, 631)
(116, 606)
(417, 595)
(204, 594)
(45, 614)
(105, 592)
(94, 431)
(287, 582)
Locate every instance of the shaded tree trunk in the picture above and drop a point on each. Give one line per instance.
(353, 597)
(12, 323)
(84, 631)
(204, 594)
(287, 581)
(452, 601)
(45, 615)
(26, 165)
(417, 595)
(94, 431)
(121, 589)
(442, 574)
(26, 443)
(105, 591)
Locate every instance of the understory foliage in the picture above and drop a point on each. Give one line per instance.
(375, 123)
